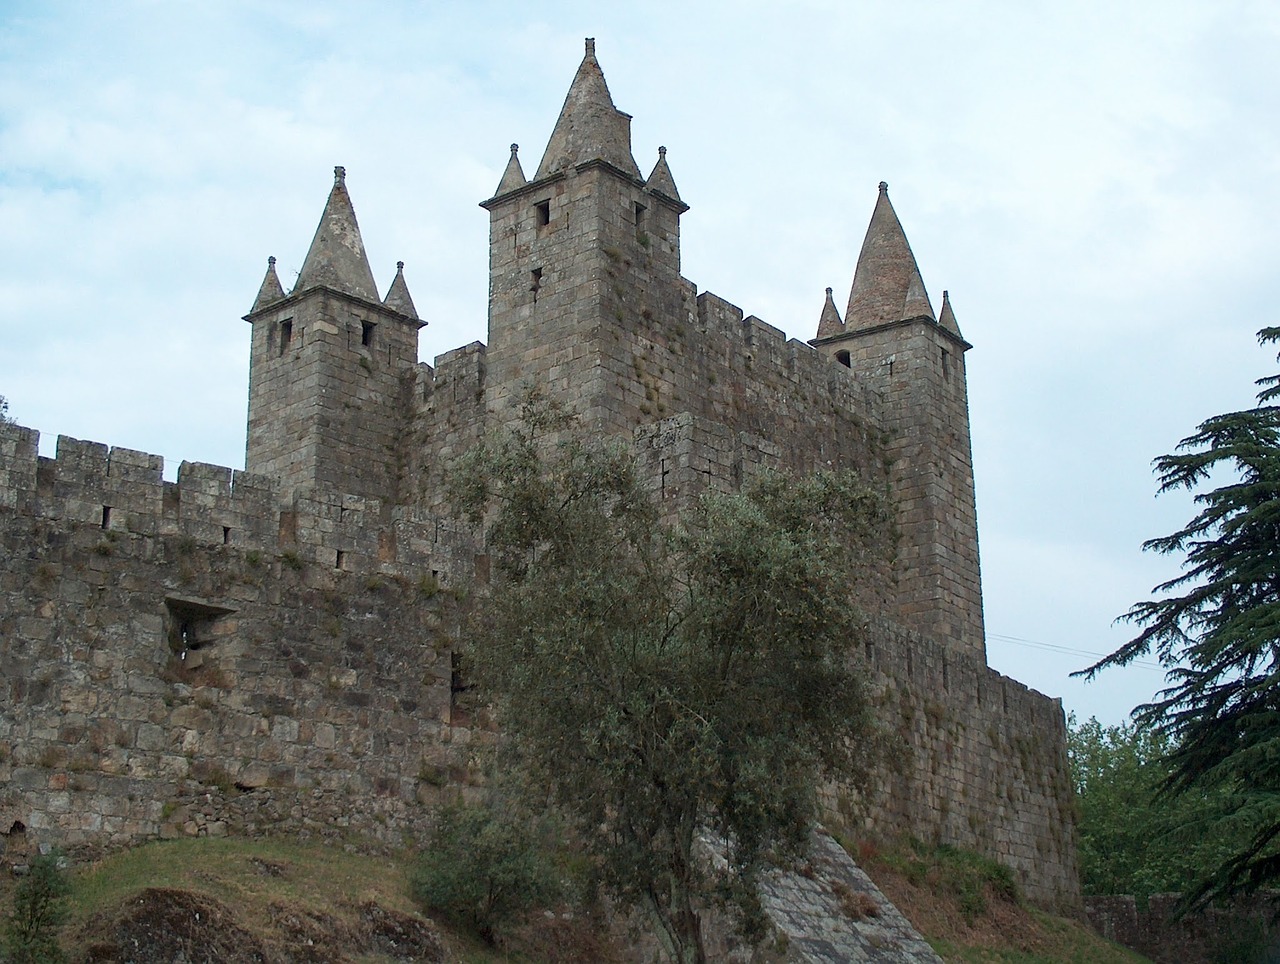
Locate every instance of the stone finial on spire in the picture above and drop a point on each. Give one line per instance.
(337, 258)
(947, 317)
(270, 291)
(887, 285)
(829, 323)
(513, 177)
(661, 182)
(397, 298)
(589, 128)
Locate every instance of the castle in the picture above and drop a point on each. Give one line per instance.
(266, 650)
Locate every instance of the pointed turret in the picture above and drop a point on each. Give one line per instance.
(830, 324)
(947, 317)
(397, 298)
(337, 258)
(887, 286)
(270, 292)
(661, 182)
(513, 177)
(590, 128)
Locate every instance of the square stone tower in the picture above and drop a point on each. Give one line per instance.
(329, 366)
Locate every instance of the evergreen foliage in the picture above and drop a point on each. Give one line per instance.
(483, 866)
(39, 909)
(663, 682)
(1216, 627)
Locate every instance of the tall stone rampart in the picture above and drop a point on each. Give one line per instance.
(163, 677)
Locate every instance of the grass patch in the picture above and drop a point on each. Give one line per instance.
(968, 908)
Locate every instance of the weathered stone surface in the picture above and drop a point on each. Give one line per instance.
(270, 651)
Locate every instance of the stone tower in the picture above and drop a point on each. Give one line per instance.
(327, 366)
(575, 252)
(891, 340)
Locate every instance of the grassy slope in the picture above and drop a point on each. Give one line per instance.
(261, 882)
(968, 910)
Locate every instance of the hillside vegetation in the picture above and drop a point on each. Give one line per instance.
(231, 900)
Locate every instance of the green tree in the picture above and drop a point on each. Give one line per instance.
(1132, 839)
(39, 909)
(1216, 628)
(664, 682)
(483, 866)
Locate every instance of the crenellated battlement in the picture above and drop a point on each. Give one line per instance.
(123, 491)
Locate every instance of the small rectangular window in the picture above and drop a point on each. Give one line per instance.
(543, 210)
(366, 333)
(640, 209)
(946, 363)
(106, 517)
(286, 335)
(535, 281)
(843, 358)
(338, 559)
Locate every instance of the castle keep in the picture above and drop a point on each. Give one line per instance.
(268, 650)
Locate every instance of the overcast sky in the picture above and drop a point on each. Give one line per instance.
(1096, 184)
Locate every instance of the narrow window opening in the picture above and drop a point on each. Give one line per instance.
(106, 517)
(543, 213)
(286, 335)
(640, 211)
(843, 358)
(946, 363)
(910, 666)
(459, 705)
(226, 535)
(535, 283)
(337, 559)
(366, 333)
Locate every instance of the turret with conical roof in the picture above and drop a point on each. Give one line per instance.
(326, 365)
(580, 257)
(916, 365)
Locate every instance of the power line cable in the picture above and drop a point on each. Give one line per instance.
(1054, 648)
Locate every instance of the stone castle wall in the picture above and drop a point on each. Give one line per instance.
(206, 662)
(201, 663)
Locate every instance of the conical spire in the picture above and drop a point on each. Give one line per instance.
(270, 292)
(660, 179)
(590, 128)
(830, 324)
(947, 317)
(337, 258)
(513, 177)
(397, 298)
(886, 285)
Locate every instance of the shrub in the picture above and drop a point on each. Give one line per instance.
(483, 868)
(39, 908)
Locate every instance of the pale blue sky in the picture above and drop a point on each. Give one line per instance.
(1095, 183)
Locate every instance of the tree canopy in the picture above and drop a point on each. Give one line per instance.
(1132, 840)
(662, 682)
(1216, 628)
